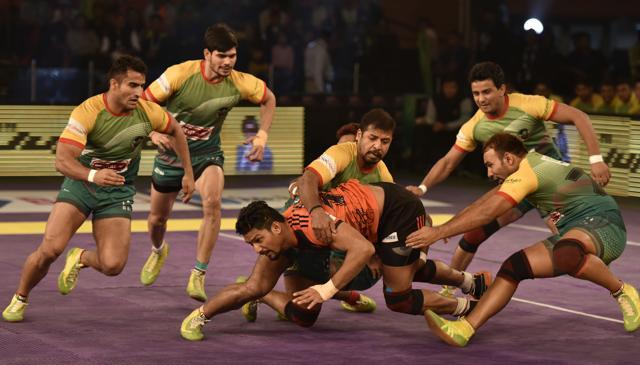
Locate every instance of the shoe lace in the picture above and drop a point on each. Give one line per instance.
(198, 321)
(73, 274)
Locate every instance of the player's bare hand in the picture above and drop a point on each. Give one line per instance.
(600, 173)
(323, 226)
(163, 141)
(375, 265)
(308, 297)
(415, 190)
(188, 187)
(256, 153)
(108, 177)
(424, 237)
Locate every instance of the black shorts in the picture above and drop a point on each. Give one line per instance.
(402, 214)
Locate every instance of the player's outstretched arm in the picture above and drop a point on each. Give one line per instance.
(323, 226)
(259, 141)
(67, 164)
(182, 150)
(439, 172)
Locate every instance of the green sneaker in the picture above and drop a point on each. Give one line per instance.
(364, 304)
(630, 305)
(250, 309)
(69, 276)
(154, 264)
(455, 333)
(195, 286)
(191, 328)
(15, 310)
(448, 291)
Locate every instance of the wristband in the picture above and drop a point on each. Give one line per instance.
(595, 159)
(92, 175)
(314, 207)
(261, 138)
(422, 188)
(326, 290)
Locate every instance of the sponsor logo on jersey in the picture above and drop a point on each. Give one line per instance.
(117, 166)
(196, 133)
(393, 237)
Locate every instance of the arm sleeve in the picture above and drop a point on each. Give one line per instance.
(519, 184)
(464, 139)
(251, 88)
(333, 161)
(158, 117)
(537, 106)
(80, 124)
(168, 83)
(385, 175)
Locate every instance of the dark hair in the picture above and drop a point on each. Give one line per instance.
(485, 71)
(349, 128)
(505, 142)
(624, 80)
(379, 119)
(125, 63)
(219, 37)
(256, 215)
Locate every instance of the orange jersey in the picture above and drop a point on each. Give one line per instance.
(350, 202)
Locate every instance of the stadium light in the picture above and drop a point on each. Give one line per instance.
(535, 24)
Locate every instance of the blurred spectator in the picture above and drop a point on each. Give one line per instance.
(272, 21)
(634, 59)
(454, 57)
(609, 100)
(584, 60)
(542, 88)
(586, 100)
(82, 42)
(258, 65)
(626, 101)
(427, 44)
(52, 49)
(347, 133)
(282, 60)
(155, 44)
(318, 70)
(120, 39)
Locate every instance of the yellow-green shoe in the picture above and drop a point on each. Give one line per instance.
(195, 286)
(191, 328)
(455, 333)
(15, 310)
(448, 291)
(630, 305)
(364, 304)
(69, 276)
(154, 264)
(250, 309)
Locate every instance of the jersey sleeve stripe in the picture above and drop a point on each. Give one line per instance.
(507, 197)
(317, 174)
(553, 111)
(168, 123)
(71, 142)
(164, 83)
(456, 146)
(149, 94)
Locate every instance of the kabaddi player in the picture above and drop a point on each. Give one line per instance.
(99, 154)
(590, 233)
(200, 94)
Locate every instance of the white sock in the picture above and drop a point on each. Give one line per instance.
(467, 283)
(157, 249)
(462, 307)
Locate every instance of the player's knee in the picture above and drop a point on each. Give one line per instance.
(111, 267)
(301, 315)
(211, 207)
(426, 273)
(157, 220)
(410, 301)
(516, 268)
(49, 253)
(569, 256)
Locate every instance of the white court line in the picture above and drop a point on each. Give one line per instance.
(540, 229)
(236, 237)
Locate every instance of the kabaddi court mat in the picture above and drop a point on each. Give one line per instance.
(115, 320)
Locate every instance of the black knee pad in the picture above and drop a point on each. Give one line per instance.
(409, 301)
(516, 267)
(569, 257)
(301, 315)
(473, 239)
(426, 273)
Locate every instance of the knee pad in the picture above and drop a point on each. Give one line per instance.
(473, 239)
(516, 267)
(409, 301)
(301, 315)
(426, 273)
(569, 256)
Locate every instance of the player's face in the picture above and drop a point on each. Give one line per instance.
(373, 144)
(487, 96)
(129, 90)
(265, 242)
(499, 167)
(221, 63)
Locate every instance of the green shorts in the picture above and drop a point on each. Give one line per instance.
(102, 201)
(606, 229)
(167, 176)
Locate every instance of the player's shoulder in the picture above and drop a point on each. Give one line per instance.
(90, 107)
(522, 101)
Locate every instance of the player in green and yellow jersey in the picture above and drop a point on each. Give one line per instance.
(516, 114)
(589, 232)
(199, 94)
(99, 154)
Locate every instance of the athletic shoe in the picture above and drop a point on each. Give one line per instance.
(69, 276)
(448, 291)
(15, 310)
(191, 328)
(364, 304)
(455, 333)
(195, 287)
(481, 282)
(154, 264)
(250, 309)
(630, 305)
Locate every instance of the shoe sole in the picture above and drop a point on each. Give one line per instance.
(433, 325)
